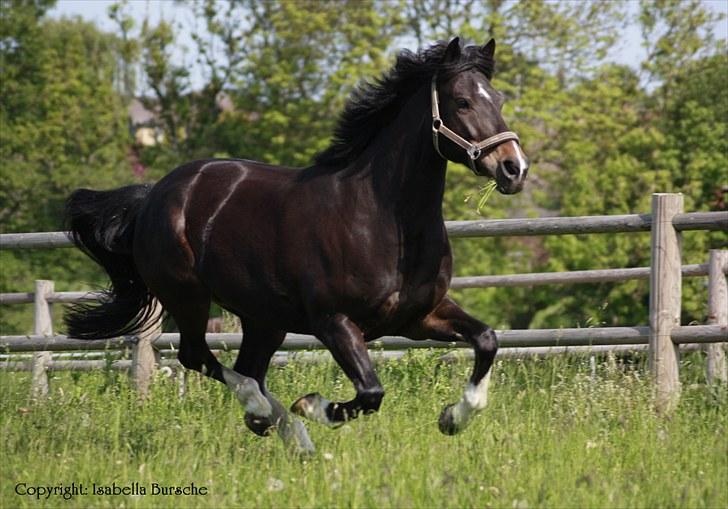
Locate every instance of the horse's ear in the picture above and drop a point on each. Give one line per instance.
(452, 53)
(489, 49)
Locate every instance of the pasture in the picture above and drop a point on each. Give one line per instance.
(558, 432)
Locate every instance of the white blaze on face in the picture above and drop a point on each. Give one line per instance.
(521, 157)
(482, 91)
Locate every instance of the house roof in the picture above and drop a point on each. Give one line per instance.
(138, 114)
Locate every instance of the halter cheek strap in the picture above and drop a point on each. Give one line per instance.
(474, 150)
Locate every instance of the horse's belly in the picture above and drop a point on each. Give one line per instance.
(400, 310)
(251, 291)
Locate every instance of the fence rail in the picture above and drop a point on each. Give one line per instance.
(506, 280)
(481, 228)
(661, 338)
(582, 224)
(62, 297)
(523, 338)
(571, 277)
(283, 358)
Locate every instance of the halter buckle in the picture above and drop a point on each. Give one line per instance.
(473, 152)
(436, 124)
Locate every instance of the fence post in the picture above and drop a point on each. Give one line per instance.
(716, 369)
(144, 358)
(665, 300)
(42, 326)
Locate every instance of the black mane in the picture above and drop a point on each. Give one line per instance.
(373, 105)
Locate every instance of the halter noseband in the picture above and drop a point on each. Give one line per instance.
(474, 150)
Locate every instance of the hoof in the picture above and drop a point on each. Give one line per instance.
(261, 426)
(296, 437)
(312, 406)
(447, 422)
(307, 406)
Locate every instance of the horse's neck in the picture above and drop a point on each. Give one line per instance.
(407, 175)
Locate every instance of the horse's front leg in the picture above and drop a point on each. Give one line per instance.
(448, 322)
(346, 343)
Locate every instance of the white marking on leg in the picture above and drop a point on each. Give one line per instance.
(291, 430)
(476, 396)
(473, 401)
(482, 91)
(248, 393)
(294, 434)
(313, 407)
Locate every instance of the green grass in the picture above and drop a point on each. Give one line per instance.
(553, 435)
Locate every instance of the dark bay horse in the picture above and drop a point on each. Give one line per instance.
(349, 249)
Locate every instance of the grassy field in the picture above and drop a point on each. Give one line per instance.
(555, 434)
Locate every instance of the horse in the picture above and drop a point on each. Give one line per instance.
(349, 249)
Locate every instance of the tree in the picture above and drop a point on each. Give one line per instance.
(600, 136)
(602, 144)
(676, 32)
(302, 62)
(287, 70)
(635, 146)
(694, 152)
(543, 49)
(63, 126)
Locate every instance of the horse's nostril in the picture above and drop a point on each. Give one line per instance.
(511, 169)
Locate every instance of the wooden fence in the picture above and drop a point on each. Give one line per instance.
(662, 337)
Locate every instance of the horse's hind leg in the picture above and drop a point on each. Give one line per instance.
(346, 343)
(190, 310)
(259, 345)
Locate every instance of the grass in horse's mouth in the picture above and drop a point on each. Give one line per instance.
(486, 191)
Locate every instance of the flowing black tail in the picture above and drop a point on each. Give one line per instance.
(101, 224)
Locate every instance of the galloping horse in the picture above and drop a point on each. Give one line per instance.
(349, 249)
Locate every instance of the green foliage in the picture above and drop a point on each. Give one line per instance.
(629, 151)
(560, 35)
(601, 137)
(553, 435)
(301, 65)
(287, 72)
(601, 143)
(62, 126)
(676, 32)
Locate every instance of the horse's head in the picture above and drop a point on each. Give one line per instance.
(468, 127)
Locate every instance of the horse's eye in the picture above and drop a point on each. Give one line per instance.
(463, 104)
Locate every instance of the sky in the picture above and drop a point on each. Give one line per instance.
(96, 11)
(629, 51)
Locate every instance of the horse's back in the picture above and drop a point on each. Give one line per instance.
(186, 206)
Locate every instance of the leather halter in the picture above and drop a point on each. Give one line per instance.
(474, 150)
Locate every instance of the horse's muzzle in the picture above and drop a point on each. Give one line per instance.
(511, 174)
